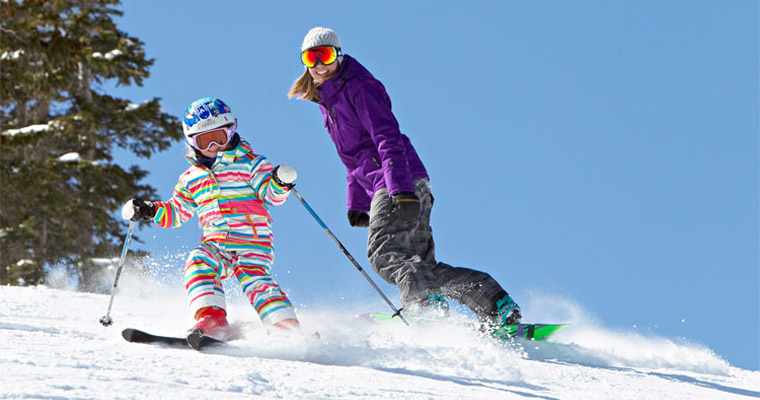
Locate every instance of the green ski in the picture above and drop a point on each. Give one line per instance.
(525, 331)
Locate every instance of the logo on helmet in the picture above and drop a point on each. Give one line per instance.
(190, 120)
(202, 111)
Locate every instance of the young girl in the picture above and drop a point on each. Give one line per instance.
(387, 179)
(230, 188)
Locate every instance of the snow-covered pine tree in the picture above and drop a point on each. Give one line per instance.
(58, 130)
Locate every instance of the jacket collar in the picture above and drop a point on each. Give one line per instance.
(348, 70)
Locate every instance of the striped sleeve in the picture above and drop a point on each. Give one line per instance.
(176, 211)
(264, 185)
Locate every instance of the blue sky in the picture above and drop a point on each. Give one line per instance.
(602, 154)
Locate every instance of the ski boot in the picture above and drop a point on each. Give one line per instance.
(507, 313)
(435, 307)
(212, 322)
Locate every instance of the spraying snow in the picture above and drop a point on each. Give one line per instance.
(52, 346)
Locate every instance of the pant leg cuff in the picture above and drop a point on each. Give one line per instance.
(217, 301)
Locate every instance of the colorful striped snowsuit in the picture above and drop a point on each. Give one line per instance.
(231, 201)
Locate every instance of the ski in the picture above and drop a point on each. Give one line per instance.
(195, 340)
(525, 331)
(138, 336)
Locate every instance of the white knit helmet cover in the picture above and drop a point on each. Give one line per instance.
(320, 36)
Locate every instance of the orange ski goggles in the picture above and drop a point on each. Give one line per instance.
(325, 54)
(218, 136)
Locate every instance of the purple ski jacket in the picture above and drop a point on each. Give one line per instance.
(357, 115)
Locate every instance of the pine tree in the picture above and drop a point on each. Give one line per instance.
(60, 186)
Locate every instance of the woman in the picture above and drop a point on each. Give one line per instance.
(387, 179)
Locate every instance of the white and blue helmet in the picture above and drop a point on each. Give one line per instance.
(206, 114)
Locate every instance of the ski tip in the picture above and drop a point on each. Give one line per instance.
(129, 334)
(138, 336)
(527, 331)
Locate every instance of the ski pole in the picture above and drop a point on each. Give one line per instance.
(396, 311)
(106, 320)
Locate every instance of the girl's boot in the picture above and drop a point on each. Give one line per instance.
(212, 321)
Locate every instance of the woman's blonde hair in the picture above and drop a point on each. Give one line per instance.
(304, 88)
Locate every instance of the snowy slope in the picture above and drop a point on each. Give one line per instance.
(52, 347)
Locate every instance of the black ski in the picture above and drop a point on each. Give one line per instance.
(196, 340)
(138, 336)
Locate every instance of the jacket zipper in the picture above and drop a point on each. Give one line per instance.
(334, 118)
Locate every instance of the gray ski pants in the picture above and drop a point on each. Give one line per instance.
(403, 253)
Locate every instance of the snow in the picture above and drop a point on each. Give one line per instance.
(13, 55)
(52, 346)
(108, 56)
(104, 262)
(70, 157)
(28, 129)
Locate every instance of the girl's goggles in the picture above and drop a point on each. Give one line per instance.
(219, 136)
(326, 54)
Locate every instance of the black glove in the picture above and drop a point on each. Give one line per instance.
(136, 209)
(408, 205)
(284, 175)
(358, 218)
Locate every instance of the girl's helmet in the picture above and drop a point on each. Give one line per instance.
(206, 114)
